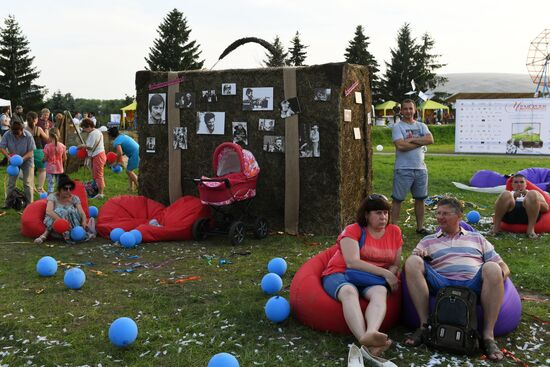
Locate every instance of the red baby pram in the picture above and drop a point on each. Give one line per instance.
(236, 174)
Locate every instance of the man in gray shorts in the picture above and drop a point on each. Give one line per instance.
(410, 172)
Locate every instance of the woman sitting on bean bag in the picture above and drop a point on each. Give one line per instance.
(370, 245)
(62, 204)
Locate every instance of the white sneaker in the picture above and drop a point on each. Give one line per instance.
(355, 358)
(375, 361)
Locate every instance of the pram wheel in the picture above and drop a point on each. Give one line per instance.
(236, 233)
(199, 229)
(261, 228)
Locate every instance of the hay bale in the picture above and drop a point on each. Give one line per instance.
(331, 186)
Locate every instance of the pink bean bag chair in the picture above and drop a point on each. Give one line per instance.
(135, 212)
(542, 225)
(32, 220)
(312, 306)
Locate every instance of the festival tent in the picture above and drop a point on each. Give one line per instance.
(431, 105)
(388, 105)
(4, 103)
(128, 113)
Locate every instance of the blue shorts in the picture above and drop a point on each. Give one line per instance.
(133, 162)
(413, 180)
(437, 281)
(333, 282)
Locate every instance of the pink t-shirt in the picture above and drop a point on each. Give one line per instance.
(376, 251)
(54, 156)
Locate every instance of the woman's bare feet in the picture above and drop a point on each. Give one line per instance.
(532, 235)
(376, 342)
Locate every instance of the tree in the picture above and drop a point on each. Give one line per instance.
(357, 53)
(17, 75)
(60, 102)
(297, 52)
(411, 61)
(173, 51)
(277, 58)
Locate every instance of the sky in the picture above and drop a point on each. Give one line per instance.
(92, 49)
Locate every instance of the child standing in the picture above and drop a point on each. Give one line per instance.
(55, 153)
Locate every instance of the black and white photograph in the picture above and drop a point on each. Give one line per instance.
(209, 96)
(210, 123)
(289, 107)
(150, 145)
(258, 99)
(266, 124)
(309, 140)
(180, 138)
(274, 144)
(229, 89)
(240, 133)
(321, 94)
(157, 108)
(185, 100)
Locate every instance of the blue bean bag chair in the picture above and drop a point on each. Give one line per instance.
(486, 178)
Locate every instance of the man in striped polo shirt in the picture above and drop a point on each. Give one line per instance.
(454, 256)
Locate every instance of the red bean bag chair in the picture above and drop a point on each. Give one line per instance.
(542, 225)
(312, 306)
(32, 220)
(134, 212)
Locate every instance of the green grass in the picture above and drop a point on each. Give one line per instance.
(43, 323)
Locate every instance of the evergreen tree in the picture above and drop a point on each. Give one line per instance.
(278, 58)
(17, 75)
(60, 102)
(297, 51)
(173, 51)
(357, 53)
(427, 64)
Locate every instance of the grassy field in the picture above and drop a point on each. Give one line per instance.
(184, 323)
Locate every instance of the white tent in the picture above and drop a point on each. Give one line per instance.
(4, 102)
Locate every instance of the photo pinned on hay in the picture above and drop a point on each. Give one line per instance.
(229, 89)
(179, 140)
(150, 144)
(274, 144)
(258, 99)
(322, 94)
(266, 124)
(157, 109)
(289, 107)
(209, 96)
(74, 278)
(16, 160)
(271, 283)
(240, 133)
(309, 140)
(210, 123)
(123, 332)
(46, 266)
(185, 100)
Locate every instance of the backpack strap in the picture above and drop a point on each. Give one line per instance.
(363, 237)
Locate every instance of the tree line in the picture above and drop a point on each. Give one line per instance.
(173, 50)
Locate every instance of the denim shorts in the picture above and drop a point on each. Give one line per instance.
(413, 180)
(437, 281)
(333, 282)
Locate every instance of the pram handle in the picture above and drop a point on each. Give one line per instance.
(197, 180)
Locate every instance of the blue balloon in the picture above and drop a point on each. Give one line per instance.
(473, 216)
(271, 283)
(123, 332)
(137, 235)
(46, 266)
(73, 150)
(93, 211)
(116, 168)
(223, 360)
(277, 265)
(43, 195)
(74, 278)
(12, 170)
(16, 160)
(78, 233)
(116, 233)
(277, 309)
(128, 240)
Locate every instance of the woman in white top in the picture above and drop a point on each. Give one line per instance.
(96, 150)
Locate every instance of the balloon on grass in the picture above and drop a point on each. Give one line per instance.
(74, 278)
(223, 360)
(78, 233)
(271, 283)
(93, 211)
(46, 266)
(16, 160)
(379, 147)
(115, 234)
(137, 235)
(277, 309)
(277, 265)
(473, 216)
(123, 332)
(12, 171)
(128, 240)
(61, 225)
(72, 150)
(116, 168)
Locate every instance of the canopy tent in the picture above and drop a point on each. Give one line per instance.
(388, 105)
(431, 105)
(5, 103)
(128, 114)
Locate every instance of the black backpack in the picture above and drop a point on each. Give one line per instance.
(16, 200)
(452, 326)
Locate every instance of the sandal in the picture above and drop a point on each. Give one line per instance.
(417, 338)
(375, 361)
(423, 231)
(40, 240)
(490, 348)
